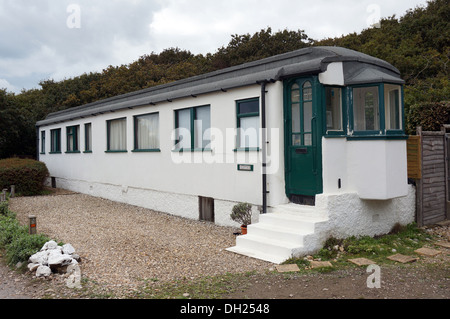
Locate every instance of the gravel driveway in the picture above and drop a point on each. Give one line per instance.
(123, 246)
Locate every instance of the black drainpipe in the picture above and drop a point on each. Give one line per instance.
(263, 144)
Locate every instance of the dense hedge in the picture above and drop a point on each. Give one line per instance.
(27, 175)
(430, 116)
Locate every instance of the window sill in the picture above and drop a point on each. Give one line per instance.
(87, 152)
(192, 150)
(55, 153)
(152, 150)
(377, 137)
(116, 151)
(73, 152)
(246, 149)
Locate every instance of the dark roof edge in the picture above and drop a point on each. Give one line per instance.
(272, 68)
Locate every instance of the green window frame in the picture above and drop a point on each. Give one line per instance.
(55, 141)
(146, 132)
(72, 139)
(42, 142)
(376, 111)
(116, 135)
(88, 138)
(247, 117)
(192, 128)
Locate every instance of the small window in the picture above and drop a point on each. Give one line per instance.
(146, 132)
(87, 137)
(365, 109)
(393, 107)
(117, 135)
(248, 124)
(42, 142)
(193, 128)
(206, 208)
(334, 109)
(55, 141)
(72, 139)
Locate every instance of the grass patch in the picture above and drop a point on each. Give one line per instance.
(210, 287)
(402, 239)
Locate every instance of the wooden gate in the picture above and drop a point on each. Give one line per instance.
(429, 167)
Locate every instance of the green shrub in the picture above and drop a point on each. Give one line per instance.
(428, 115)
(9, 230)
(27, 175)
(23, 246)
(242, 213)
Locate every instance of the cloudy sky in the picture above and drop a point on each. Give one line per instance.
(57, 39)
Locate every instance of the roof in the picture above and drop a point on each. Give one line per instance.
(358, 68)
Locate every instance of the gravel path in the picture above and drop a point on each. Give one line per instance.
(123, 246)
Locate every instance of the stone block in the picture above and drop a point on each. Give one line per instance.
(287, 268)
(427, 252)
(362, 261)
(402, 258)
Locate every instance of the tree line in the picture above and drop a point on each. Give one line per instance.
(416, 43)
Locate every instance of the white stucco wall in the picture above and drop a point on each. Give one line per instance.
(172, 181)
(374, 169)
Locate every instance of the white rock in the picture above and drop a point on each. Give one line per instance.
(50, 245)
(40, 257)
(68, 249)
(55, 259)
(33, 266)
(43, 271)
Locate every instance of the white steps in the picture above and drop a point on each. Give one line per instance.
(287, 230)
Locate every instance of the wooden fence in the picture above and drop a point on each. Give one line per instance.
(427, 164)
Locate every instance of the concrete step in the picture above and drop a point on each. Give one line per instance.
(281, 233)
(276, 232)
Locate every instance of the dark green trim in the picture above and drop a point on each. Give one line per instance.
(72, 131)
(181, 150)
(87, 152)
(376, 137)
(238, 123)
(72, 152)
(42, 142)
(153, 150)
(86, 140)
(247, 149)
(192, 112)
(108, 150)
(55, 141)
(135, 132)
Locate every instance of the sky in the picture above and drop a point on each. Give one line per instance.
(61, 39)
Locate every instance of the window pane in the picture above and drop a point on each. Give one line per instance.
(42, 141)
(307, 91)
(307, 116)
(393, 109)
(147, 131)
(295, 118)
(184, 128)
(249, 131)
(117, 135)
(334, 108)
(308, 140)
(55, 140)
(365, 109)
(88, 137)
(295, 94)
(251, 106)
(202, 124)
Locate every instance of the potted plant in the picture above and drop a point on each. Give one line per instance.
(242, 213)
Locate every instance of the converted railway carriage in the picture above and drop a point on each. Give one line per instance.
(313, 138)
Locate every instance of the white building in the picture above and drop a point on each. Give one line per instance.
(326, 122)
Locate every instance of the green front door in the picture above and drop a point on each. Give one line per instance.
(303, 151)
